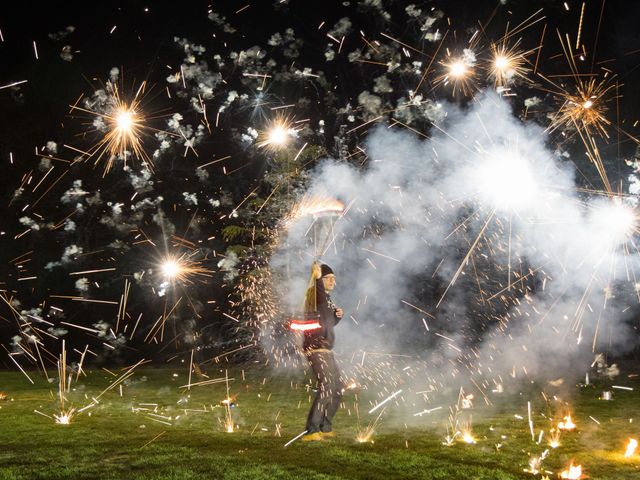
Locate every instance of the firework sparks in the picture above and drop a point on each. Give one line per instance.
(554, 438)
(507, 64)
(182, 268)
(64, 417)
(125, 124)
(390, 397)
(459, 73)
(316, 206)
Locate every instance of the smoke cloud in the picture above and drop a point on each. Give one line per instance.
(472, 250)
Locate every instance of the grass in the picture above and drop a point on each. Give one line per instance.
(117, 438)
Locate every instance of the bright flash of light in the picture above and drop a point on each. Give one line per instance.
(64, 418)
(277, 135)
(457, 69)
(566, 423)
(506, 180)
(615, 220)
(170, 268)
(125, 120)
(507, 64)
(631, 447)
(554, 441)
(459, 73)
(574, 472)
(467, 437)
(183, 268)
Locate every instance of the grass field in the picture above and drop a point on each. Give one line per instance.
(152, 428)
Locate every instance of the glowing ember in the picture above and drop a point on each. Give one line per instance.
(587, 104)
(631, 447)
(125, 125)
(3, 396)
(508, 64)
(574, 472)
(304, 326)
(567, 424)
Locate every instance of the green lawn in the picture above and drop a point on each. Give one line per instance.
(155, 429)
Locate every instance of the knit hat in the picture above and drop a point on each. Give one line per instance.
(325, 270)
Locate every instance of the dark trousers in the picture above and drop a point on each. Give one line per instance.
(329, 391)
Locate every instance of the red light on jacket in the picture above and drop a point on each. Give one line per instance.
(304, 325)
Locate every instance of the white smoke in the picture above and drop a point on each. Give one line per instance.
(545, 263)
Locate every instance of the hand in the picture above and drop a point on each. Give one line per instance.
(339, 313)
(316, 272)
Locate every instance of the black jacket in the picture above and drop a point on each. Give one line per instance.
(318, 303)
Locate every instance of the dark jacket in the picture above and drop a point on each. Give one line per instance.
(318, 303)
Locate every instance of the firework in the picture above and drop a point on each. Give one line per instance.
(616, 220)
(277, 135)
(554, 440)
(459, 73)
(124, 123)
(573, 472)
(566, 424)
(507, 64)
(631, 448)
(506, 180)
(182, 268)
(64, 417)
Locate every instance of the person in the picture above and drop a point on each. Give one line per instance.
(317, 347)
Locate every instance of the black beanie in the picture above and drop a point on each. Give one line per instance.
(325, 270)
